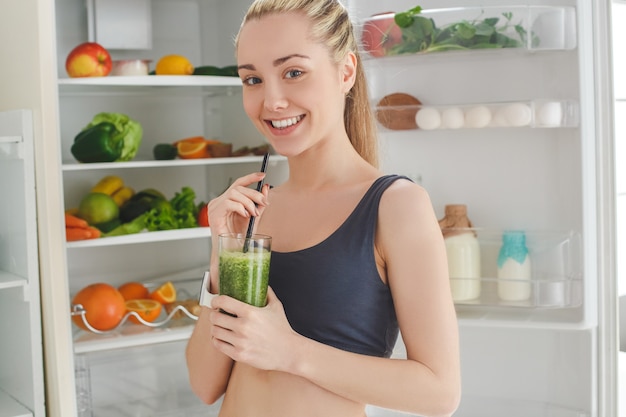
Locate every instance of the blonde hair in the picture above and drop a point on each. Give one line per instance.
(331, 26)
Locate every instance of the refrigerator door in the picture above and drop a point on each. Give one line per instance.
(21, 356)
(549, 174)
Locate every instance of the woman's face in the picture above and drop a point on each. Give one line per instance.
(292, 91)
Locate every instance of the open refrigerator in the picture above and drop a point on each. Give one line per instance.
(548, 174)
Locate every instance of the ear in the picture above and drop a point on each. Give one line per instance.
(348, 72)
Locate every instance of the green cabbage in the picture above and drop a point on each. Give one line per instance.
(128, 130)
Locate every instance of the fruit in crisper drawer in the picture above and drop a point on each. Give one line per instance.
(98, 208)
(88, 59)
(103, 304)
(134, 291)
(148, 310)
(173, 65)
(380, 34)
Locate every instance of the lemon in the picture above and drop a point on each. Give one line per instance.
(174, 65)
(98, 208)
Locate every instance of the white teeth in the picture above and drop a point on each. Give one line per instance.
(281, 124)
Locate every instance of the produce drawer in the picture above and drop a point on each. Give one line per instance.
(531, 28)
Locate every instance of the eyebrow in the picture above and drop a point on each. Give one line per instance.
(276, 62)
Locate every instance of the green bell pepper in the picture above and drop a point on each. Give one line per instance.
(99, 143)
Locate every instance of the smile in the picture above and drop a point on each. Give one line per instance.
(284, 123)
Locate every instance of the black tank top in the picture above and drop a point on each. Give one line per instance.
(332, 292)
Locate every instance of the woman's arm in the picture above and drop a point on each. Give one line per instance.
(209, 369)
(428, 383)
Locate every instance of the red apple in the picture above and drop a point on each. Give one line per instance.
(380, 34)
(88, 59)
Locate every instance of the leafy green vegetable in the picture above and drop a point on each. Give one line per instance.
(126, 129)
(178, 213)
(421, 34)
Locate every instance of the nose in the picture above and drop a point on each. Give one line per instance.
(275, 99)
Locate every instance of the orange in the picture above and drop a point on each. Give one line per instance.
(192, 139)
(134, 291)
(149, 310)
(192, 150)
(104, 306)
(165, 294)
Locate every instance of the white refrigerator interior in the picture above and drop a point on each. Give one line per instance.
(21, 360)
(533, 166)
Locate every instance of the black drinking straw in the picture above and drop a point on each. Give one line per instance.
(259, 186)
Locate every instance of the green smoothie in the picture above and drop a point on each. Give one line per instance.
(244, 276)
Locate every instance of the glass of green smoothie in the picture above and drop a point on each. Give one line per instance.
(244, 266)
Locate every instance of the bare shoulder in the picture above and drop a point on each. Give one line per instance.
(405, 199)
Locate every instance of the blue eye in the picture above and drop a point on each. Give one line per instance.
(251, 80)
(293, 73)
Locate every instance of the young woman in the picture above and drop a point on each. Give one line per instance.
(356, 255)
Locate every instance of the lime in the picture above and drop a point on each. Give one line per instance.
(98, 208)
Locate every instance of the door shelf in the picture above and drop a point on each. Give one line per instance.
(143, 237)
(11, 408)
(530, 28)
(9, 280)
(554, 282)
(520, 114)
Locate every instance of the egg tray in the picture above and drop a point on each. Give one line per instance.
(534, 114)
(78, 310)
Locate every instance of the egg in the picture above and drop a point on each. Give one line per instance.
(428, 118)
(452, 118)
(477, 117)
(516, 114)
(549, 114)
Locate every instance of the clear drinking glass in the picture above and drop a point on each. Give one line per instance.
(244, 265)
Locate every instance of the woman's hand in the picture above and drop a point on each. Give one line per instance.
(231, 211)
(257, 336)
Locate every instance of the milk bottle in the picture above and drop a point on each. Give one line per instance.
(463, 250)
(514, 268)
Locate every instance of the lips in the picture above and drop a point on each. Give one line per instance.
(285, 123)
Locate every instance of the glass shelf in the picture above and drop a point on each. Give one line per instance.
(9, 280)
(533, 114)
(469, 29)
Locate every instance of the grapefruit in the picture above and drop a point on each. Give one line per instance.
(104, 306)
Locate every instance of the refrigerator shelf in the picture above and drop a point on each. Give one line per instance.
(554, 279)
(142, 237)
(126, 335)
(150, 84)
(175, 163)
(469, 29)
(519, 114)
(11, 408)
